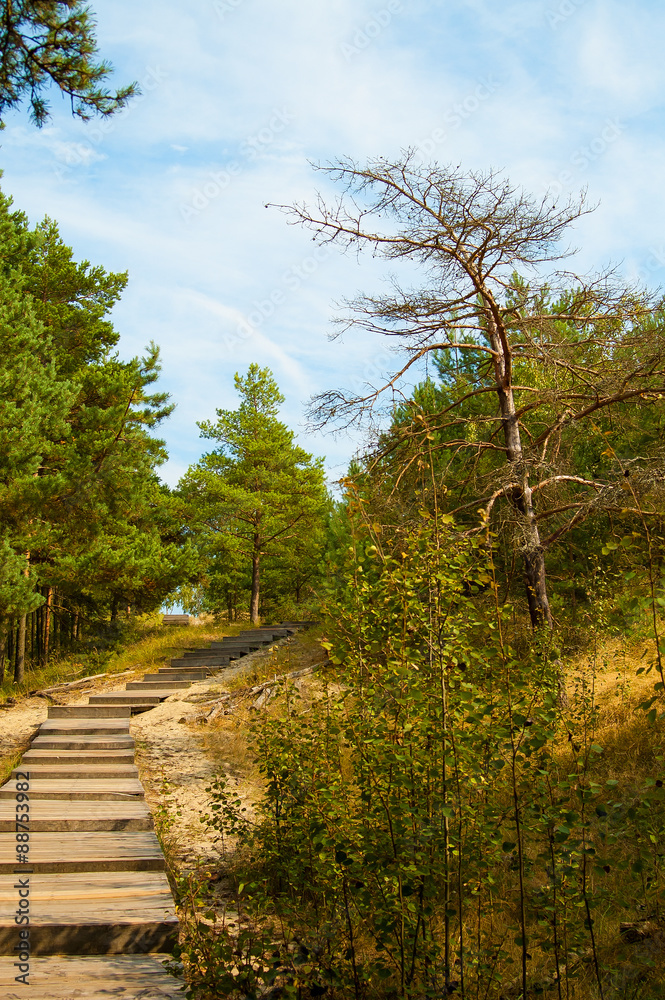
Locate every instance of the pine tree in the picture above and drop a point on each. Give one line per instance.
(52, 42)
(34, 402)
(257, 487)
(85, 525)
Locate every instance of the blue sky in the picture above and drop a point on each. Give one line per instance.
(240, 95)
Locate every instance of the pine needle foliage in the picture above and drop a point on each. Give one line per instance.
(46, 43)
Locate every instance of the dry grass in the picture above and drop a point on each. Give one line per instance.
(226, 739)
(605, 691)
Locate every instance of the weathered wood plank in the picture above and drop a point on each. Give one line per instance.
(94, 757)
(88, 712)
(88, 814)
(83, 742)
(69, 743)
(162, 684)
(128, 698)
(81, 770)
(203, 661)
(130, 977)
(119, 851)
(90, 727)
(91, 913)
(76, 788)
(184, 673)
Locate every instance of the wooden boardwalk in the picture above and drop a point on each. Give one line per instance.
(86, 910)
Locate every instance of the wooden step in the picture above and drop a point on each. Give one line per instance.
(88, 712)
(85, 727)
(76, 770)
(120, 851)
(71, 758)
(190, 676)
(181, 673)
(65, 977)
(215, 661)
(82, 743)
(129, 698)
(91, 913)
(269, 633)
(206, 654)
(160, 684)
(85, 815)
(223, 646)
(124, 789)
(231, 653)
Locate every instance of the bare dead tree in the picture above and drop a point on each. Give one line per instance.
(558, 348)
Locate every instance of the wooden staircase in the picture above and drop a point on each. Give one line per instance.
(86, 910)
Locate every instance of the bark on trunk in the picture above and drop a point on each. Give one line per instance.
(47, 625)
(19, 669)
(536, 583)
(533, 555)
(254, 602)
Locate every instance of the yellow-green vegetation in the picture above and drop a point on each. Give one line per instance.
(434, 814)
(7, 764)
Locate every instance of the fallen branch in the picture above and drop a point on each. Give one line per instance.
(258, 690)
(69, 685)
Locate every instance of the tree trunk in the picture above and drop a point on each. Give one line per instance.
(19, 669)
(254, 602)
(47, 625)
(3, 650)
(536, 583)
(533, 555)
